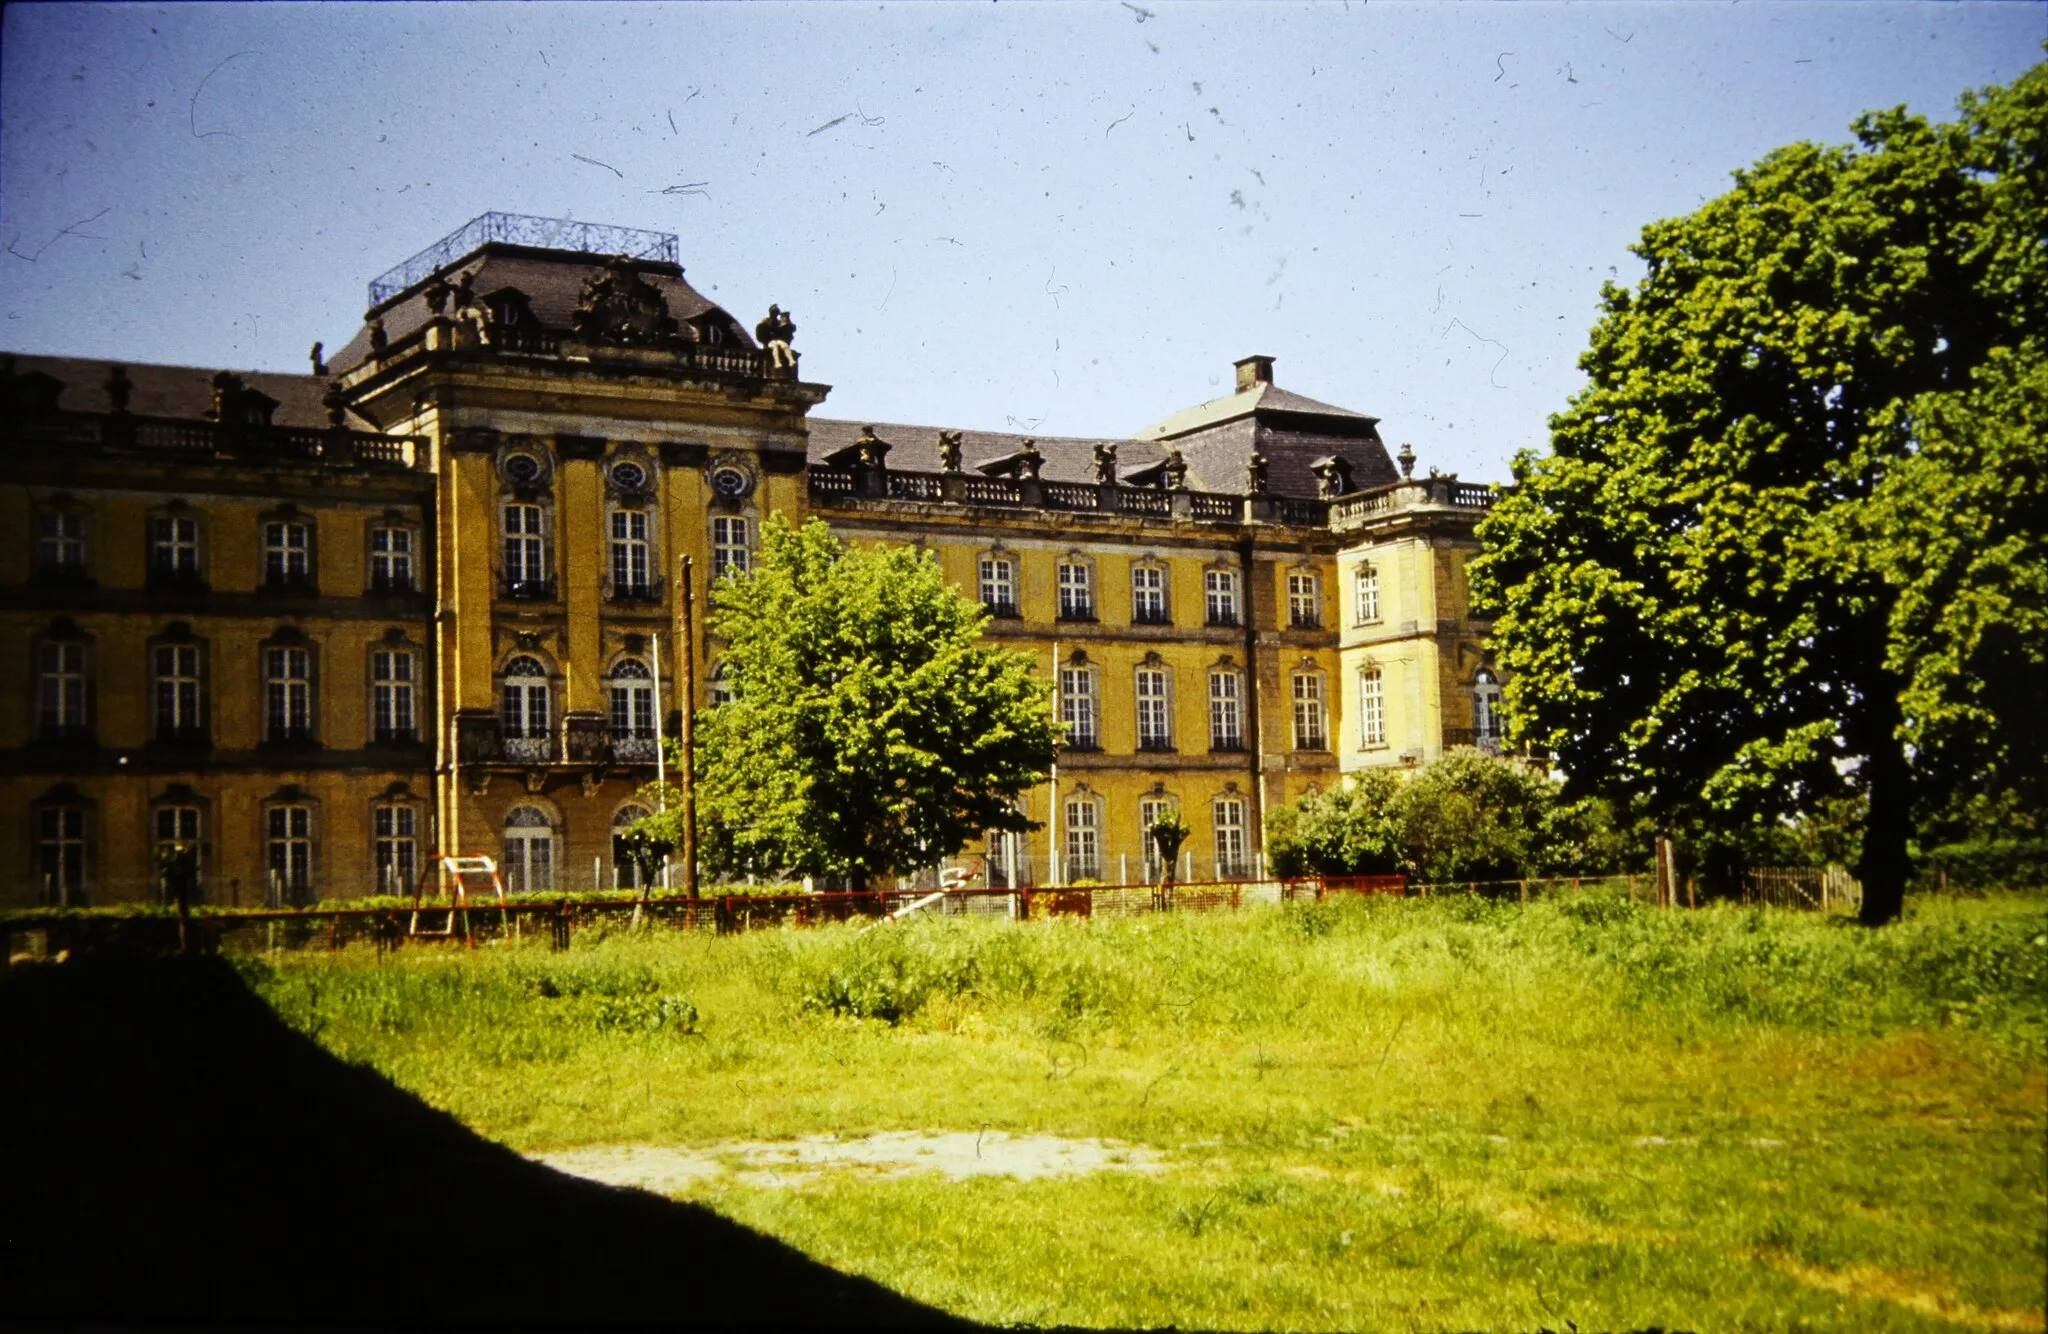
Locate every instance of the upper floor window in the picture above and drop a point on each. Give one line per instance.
(60, 854)
(287, 554)
(1078, 708)
(288, 852)
(1148, 595)
(1372, 708)
(1486, 719)
(391, 695)
(394, 837)
(60, 543)
(61, 687)
(730, 551)
(288, 693)
(1155, 709)
(1077, 592)
(174, 547)
(1304, 601)
(634, 735)
(1310, 730)
(721, 690)
(174, 669)
(999, 585)
(1219, 589)
(1365, 587)
(391, 560)
(525, 551)
(630, 575)
(525, 710)
(1226, 711)
(1228, 813)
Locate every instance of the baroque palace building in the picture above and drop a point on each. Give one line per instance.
(425, 598)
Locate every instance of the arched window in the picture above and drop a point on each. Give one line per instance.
(527, 714)
(721, 688)
(1486, 720)
(1365, 585)
(634, 736)
(1372, 708)
(625, 874)
(529, 861)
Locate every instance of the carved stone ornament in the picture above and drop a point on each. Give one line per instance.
(337, 407)
(536, 779)
(1029, 461)
(379, 340)
(619, 306)
(873, 449)
(591, 780)
(1255, 474)
(1407, 457)
(436, 294)
(1105, 463)
(1174, 471)
(949, 451)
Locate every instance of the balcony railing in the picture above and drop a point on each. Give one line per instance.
(627, 749)
(649, 592)
(333, 447)
(530, 590)
(1151, 616)
(527, 749)
(589, 238)
(1487, 743)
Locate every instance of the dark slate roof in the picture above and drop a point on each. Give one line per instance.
(552, 282)
(179, 391)
(1265, 397)
(916, 448)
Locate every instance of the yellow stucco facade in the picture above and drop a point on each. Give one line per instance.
(427, 597)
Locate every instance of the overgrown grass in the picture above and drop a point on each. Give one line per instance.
(1381, 1113)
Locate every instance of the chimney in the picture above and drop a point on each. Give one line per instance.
(1253, 372)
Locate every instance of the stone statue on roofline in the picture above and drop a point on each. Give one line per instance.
(470, 311)
(1255, 474)
(1029, 461)
(873, 449)
(775, 330)
(949, 451)
(1174, 471)
(1105, 463)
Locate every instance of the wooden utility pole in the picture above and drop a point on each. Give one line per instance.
(688, 659)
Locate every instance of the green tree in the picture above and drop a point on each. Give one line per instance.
(1785, 549)
(870, 730)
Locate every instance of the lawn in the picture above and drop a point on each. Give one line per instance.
(1368, 1114)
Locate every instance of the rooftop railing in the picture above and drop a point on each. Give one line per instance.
(333, 446)
(587, 238)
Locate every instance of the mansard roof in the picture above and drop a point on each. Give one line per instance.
(1264, 398)
(179, 391)
(916, 449)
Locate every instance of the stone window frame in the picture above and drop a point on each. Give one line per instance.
(1366, 575)
(1309, 670)
(290, 797)
(1089, 610)
(1487, 692)
(180, 797)
(394, 640)
(399, 796)
(557, 838)
(1232, 579)
(160, 573)
(1372, 720)
(554, 682)
(65, 797)
(538, 492)
(286, 638)
(1153, 564)
(1240, 865)
(1153, 662)
(283, 581)
(625, 874)
(62, 505)
(1082, 797)
(1000, 554)
(1149, 864)
(1226, 666)
(61, 632)
(1088, 737)
(177, 635)
(392, 521)
(1304, 570)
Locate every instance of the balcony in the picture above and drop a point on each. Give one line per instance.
(635, 749)
(527, 749)
(521, 589)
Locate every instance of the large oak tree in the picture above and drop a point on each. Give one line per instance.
(1787, 544)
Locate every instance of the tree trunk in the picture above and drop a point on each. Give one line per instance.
(1885, 864)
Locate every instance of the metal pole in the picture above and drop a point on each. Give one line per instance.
(1052, 816)
(660, 758)
(688, 657)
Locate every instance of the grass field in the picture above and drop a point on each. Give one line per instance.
(1375, 1114)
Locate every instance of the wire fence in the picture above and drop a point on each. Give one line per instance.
(554, 920)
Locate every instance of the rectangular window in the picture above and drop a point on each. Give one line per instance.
(525, 552)
(1220, 590)
(729, 549)
(1084, 840)
(391, 560)
(61, 688)
(999, 585)
(529, 862)
(1226, 711)
(60, 542)
(1230, 858)
(1309, 731)
(1077, 593)
(1366, 584)
(288, 693)
(1077, 707)
(1304, 601)
(174, 545)
(1372, 709)
(176, 668)
(632, 704)
(1148, 595)
(60, 855)
(1155, 710)
(391, 698)
(176, 828)
(629, 553)
(395, 832)
(289, 853)
(1151, 810)
(287, 555)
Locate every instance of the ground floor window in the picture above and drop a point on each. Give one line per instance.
(1084, 839)
(529, 861)
(1230, 844)
(60, 855)
(395, 831)
(289, 853)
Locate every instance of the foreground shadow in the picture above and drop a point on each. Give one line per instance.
(176, 1153)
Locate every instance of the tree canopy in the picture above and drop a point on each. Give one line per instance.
(870, 730)
(1787, 546)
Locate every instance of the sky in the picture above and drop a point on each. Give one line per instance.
(1067, 219)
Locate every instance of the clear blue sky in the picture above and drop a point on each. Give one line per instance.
(1055, 217)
